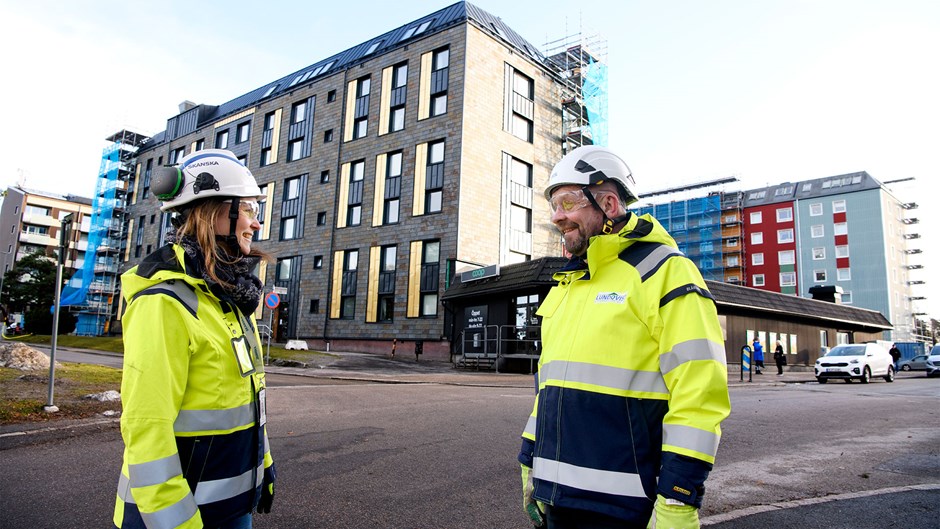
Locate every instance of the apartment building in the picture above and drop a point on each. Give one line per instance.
(389, 168)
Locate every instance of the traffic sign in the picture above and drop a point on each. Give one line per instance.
(272, 300)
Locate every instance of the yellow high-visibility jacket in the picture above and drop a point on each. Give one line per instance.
(196, 450)
(632, 379)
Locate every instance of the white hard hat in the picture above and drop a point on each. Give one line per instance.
(203, 174)
(592, 165)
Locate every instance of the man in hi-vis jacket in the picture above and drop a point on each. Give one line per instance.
(632, 378)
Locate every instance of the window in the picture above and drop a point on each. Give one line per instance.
(176, 154)
(520, 218)
(397, 119)
(785, 236)
(328, 136)
(400, 75)
(430, 277)
(785, 215)
(221, 139)
(38, 211)
(283, 271)
(817, 231)
(317, 262)
(354, 206)
(840, 228)
(732, 261)
(360, 128)
(324, 176)
(756, 217)
(269, 121)
(523, 95)
(266, 158)
(298, 112)
(788, 279)
(348, 292)
(819, 276)
(819, 253)
(843, 274)
(321, 218)
(386, 291)
(288, 228)
(314, 306)
(262, 208)
(815, 209)
(392, 205)
(331, 96)
(440, 61)
(292, 188)
(757, 238)
(242, 132)
(295, 150)
(361, 120)
(757, 280)
(243, 159)
(434, 186)
(842, 251)
(847, 297)
(838, 206)
(786, 257)
(397, 97)
(200, 145)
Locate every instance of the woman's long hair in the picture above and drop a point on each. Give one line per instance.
(199, 223)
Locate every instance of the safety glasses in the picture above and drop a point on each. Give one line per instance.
(568, 201)
(249, 209)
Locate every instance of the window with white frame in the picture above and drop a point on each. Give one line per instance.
(757, 280)
(840, 228)
(817, 231)
(757, 238)
(732, 261)
(819, 276)
(819, 253)
(847, 297)
(785, 215)
(786, 257)
(788, 279)
(843, 274)
(757, 259)
(815, 209)
(838, 206)
(756, 217)
(842, 250)
(785, 236)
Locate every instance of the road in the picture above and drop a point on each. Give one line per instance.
(444, 456)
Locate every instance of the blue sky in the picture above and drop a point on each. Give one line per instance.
(767, 91)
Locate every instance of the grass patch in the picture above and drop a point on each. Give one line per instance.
(24, 393)
(114, 344)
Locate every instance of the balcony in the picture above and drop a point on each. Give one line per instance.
(37, 239)
(40, 220)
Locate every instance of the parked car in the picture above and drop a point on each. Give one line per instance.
(855, 361)
(917, 363)
(933, 362)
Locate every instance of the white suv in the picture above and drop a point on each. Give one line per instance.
(857, 360)
(933, 362)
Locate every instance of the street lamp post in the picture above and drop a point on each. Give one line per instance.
(63, 247)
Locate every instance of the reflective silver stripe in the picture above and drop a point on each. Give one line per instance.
(173, 516)
(267, 447)
(583, 478)
(617, 378)
(204, 420)
(655, 257)
(223, 489)
(124, 489)
(690, 438)
(701, 349)
(155, 472)
(530, 426)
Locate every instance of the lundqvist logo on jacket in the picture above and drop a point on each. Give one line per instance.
(611, 297)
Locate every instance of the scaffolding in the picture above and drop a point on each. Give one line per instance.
(709, 231)
(94, 287)
(580, 64)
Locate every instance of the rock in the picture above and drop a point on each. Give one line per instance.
(20, 356)
(111, 413)
(105, 396)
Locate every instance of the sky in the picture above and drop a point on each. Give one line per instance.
(765, 91)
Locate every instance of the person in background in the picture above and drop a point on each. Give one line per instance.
(632, 381)
(758, 356)
(196, 448)
(895, 355)
(779, 358)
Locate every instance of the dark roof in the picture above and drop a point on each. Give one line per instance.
(399, 37)
(538, 273)
(805, 189)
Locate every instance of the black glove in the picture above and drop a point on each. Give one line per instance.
(267, 491)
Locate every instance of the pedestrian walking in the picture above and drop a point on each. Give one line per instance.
(632, 376)
(895, 355)
(196, 448)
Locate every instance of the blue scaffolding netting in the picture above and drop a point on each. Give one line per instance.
(76, 293)
(594, 92)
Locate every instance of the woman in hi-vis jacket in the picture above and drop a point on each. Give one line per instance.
(196, 448)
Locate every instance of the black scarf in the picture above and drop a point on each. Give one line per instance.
(244, 288)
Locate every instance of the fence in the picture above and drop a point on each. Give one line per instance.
(491, 343)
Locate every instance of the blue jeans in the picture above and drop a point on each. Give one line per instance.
(242, 522)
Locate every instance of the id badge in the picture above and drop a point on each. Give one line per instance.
(262, 409)
(243, 354)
